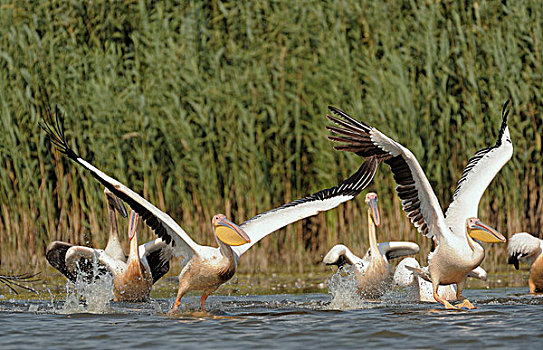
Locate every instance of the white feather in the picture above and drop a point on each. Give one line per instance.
(473, 184)
(262, 225)
(184, 245)
(525, 246)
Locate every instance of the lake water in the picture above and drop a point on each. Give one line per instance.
(505, 318)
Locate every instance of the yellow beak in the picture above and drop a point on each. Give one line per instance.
(230, 233)
(485, 233)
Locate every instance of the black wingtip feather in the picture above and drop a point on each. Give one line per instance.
(344, 115)
(505, 114)
(352, 186)
(363, 145)
(513, 259)
(472, 162)
(53, 125)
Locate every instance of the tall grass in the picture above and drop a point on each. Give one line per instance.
(219, 107)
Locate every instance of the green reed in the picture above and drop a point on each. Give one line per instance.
(220, 107)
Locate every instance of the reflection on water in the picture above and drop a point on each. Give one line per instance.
(505, 318)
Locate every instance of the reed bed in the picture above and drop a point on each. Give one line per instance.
(208, 107)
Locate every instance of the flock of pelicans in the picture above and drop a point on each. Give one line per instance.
(457, 234)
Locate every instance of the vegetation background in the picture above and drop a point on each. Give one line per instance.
(219, 107)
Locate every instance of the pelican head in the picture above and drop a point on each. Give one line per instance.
(228, 232)
(115, 202)
(482, 232)
(133, 225)
(371, 201)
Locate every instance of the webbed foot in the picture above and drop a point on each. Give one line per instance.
(175, 307)
(466, 304)
(449, 306)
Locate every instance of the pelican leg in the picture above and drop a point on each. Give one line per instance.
(465, 302)
(180, 293)
(441, 300)
(532, 286)
(175, 305)
(203, 301)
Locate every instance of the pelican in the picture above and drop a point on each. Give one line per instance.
(132, 278)
(16, 281)
(56, 250)
(524, 246)
(205, 268)
(459, 232)
(421, 290)
(373, 270)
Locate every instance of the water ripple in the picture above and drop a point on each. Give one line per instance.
(275, 321)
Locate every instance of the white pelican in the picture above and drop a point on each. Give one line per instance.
(205, 268)
(458, 233)
(421, 290)
(524, 246)
(373, 270)
(56, 250)
(132, 278)
(15, 281)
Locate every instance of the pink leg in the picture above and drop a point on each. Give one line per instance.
(203, 301)
(439, 299)
(180, 293)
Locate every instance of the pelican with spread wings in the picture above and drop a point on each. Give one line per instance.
(459, 232)
(205, 268)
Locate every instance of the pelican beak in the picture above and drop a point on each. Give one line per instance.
(133, 224)
(117, 204)
(374, 211)
(483, 232)
(230, 233)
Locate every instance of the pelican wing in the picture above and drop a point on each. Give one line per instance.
(263, 224)
(478, 273)
(418, 198)
(56, 256)
(161, 223)
(398, 249)
(403, 277)
(340, 255)
(158, 255)
(477, 175)
(89, 262)
(523, 246)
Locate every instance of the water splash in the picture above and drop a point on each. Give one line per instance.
(344, 290)
(94, 289)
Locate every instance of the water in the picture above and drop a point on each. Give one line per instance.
(506, 317)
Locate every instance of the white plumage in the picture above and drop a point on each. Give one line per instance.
(525, 247)
(206, 268)
(456, 253)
